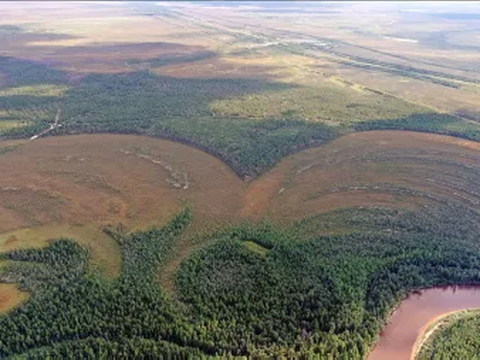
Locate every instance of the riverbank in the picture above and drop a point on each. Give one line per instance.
(415, 316)
(432, 329)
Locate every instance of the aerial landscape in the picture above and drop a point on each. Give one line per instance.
(239, 179)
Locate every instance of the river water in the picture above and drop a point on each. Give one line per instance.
(397, 340)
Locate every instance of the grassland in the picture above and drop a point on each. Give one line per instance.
(318, 103)
(372, 168)
(75, 186)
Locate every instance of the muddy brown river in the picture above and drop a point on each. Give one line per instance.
(415, 313)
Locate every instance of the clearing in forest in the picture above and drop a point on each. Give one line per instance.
(10, 297)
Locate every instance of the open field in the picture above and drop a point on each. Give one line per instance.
(373, 168)
(368, 48)
(110, 179)
(73, 186)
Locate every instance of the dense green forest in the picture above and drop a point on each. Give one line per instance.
(456, 339)
(177, 109)
(143, 103)
(295, 293)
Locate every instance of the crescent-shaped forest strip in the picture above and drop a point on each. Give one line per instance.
(251, 124)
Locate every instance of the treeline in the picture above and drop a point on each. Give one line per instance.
(443, 124)
(170, 59)
(19, 72)
(456, 339)
(249, 147)
(37, 269)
